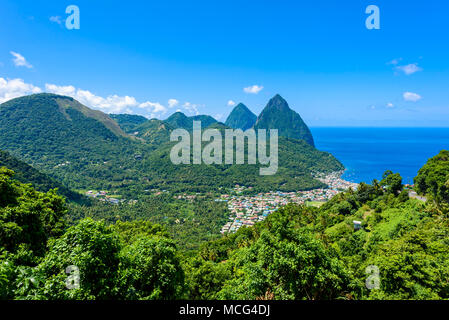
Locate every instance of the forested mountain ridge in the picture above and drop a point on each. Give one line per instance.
(179, 120)
(78, 146)
(297, 163)
(86, 149)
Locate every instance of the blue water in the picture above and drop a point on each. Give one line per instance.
(368, 152)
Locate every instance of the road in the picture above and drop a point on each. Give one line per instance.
(414, 195)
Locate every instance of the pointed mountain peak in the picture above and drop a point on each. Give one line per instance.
(240, 106)
(279, 103)
(278, 115)
(241, 118)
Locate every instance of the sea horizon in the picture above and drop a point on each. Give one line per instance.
(366, 152)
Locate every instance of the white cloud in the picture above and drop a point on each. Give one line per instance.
(62, 90)
(410, 96)
(56, 19)
(110, 104)
(20, 61)
(153, 108)
(218, 116)
(192, 108)
(172, 103)
(390, 105)
(231, 103)
(14, 88)
(255, 89)
(409, 69)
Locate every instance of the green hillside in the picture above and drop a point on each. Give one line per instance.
(154, 131)
(86, 149)
(297, 162)
(128, 122)
(41, 182)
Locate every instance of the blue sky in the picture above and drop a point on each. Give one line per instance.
(136, 56)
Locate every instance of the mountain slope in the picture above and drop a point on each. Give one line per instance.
(27, 174)
(85, 149)
(297, 163)
(154, 131)
(80, 147)
(278, 115)
(128, 122)
(241, 118)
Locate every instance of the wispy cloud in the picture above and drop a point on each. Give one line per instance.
(231, 103)
(255, 89)
(56, 19)
(191, 108)
(411, 96)
(394, 61)
(409, 68)
(390, 105)
(19, 60)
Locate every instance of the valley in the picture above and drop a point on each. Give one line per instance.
(125, 213)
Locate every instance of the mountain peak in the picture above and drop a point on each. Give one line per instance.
(278, 115)
(180, 120)
(241, 118)
(177, 114)
(279, 103)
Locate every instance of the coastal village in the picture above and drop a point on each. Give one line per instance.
(247, 210)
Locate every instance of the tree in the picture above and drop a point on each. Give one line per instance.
(28, 217)
(92, 249)
(433, 180)
(151, 269)
(392, 182)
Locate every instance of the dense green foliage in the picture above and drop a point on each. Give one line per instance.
(155, 132)
(241, 118)
(189, 222)
(126, 261)
(298, 252)
(27, 217)
(297, 162)
(41, 182)
(278, 115)
(304, 252)
(433, 180)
